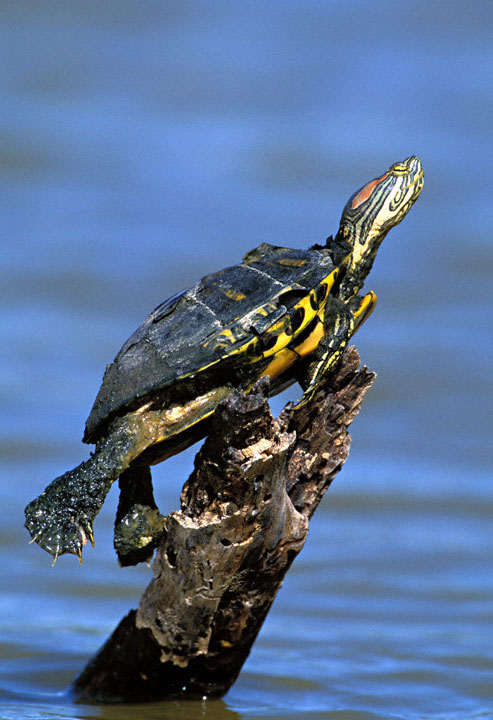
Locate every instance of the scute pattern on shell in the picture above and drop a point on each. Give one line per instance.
(182, 336)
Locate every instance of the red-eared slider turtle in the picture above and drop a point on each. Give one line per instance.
(265, 316)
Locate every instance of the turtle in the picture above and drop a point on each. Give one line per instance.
(283, 313)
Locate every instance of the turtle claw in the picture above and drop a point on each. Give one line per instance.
(90, 535)
(58, 529)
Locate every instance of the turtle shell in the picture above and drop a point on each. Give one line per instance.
(225, 327)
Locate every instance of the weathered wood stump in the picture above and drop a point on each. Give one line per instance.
(243, 519)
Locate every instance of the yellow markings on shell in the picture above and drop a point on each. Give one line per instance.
(234, 294)
(287, 357)
(292, 262)
(284, 332)
(330, 279)
(306, 305)
(221, 341)
(280, 333)
(226, 336)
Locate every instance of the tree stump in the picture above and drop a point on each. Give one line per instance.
(243, 519)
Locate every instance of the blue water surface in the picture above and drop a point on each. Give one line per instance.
(146, 143)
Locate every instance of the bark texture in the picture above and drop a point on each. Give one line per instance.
(244, 517)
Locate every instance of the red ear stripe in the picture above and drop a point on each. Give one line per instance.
(365, 192)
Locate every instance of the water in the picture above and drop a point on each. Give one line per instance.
(144, 144)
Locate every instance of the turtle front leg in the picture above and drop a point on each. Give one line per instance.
(339, 325)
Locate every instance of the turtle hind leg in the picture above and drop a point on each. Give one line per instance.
(61, 519)
(138, 523)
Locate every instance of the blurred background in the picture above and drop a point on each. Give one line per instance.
(145, 144)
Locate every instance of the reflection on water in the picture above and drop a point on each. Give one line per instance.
(144, 145)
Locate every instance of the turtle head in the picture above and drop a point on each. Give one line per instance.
(369, 215)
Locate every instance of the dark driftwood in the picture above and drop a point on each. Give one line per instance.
(243, 519)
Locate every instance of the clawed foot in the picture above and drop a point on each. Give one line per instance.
(137, 534)
(57, 527)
